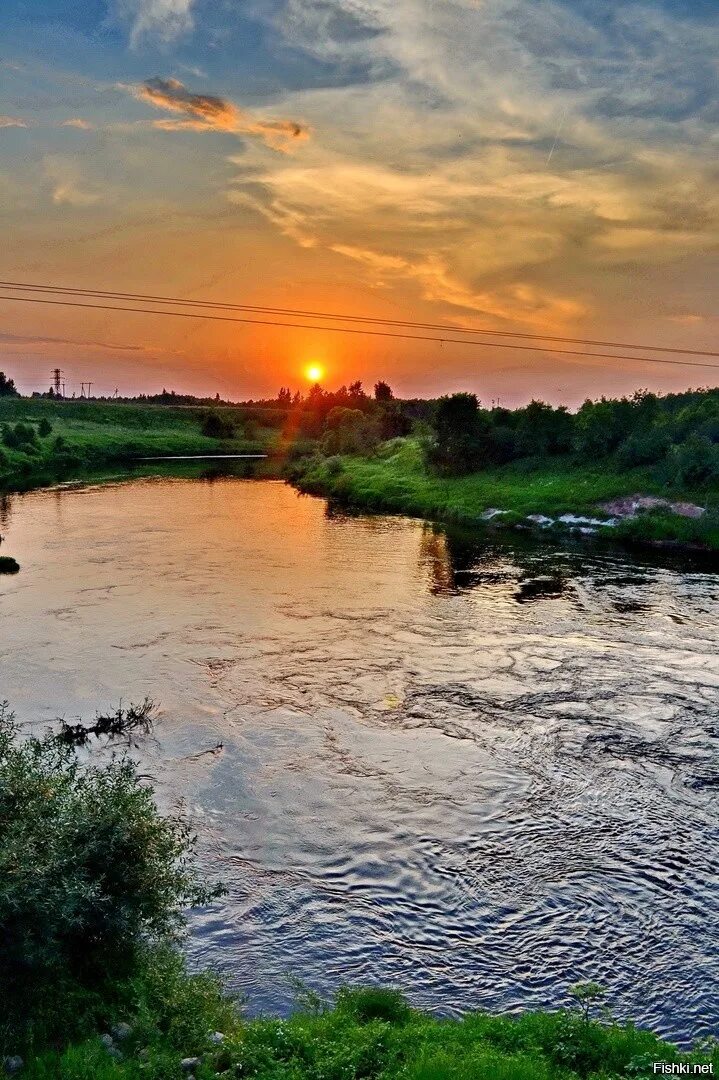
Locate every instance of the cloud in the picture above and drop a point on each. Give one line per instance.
(473, 150)
(208, 112)
(79, 123)
(12, 122)
(21, 340)
(162, 20)
(66, 183)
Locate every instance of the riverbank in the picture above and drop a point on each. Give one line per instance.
(43, 442)
(181, 1026)
(557, 496)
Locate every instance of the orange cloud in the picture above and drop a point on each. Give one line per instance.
(78, 122)
(11, 121)
(208, 112)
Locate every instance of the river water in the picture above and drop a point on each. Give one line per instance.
(476, 771)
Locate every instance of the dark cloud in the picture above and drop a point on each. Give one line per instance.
(209, 112)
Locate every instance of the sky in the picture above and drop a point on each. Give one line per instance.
(541, 166)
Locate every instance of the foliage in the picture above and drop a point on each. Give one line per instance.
(382, 391)
(355, 1040)
(8, 565)
(216, 425)
(44, 428)
(20, 437)
(695, 463)
(457, 429)
(349, 431)
(91, 875)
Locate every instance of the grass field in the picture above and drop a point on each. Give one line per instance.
(87, 436)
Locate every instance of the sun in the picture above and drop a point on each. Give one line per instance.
(314, 372)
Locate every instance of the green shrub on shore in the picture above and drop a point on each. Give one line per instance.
(92, 876)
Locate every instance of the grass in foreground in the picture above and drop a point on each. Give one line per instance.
(368, 1034)
(397, 480)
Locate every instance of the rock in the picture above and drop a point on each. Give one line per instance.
(13, 1064)
(115, 1052)
(216, 1038)
(578, 519)
(120, 1031)
(188, 1064)
(540, 519)
(492, 513)
(631, 505)
(107, 1041)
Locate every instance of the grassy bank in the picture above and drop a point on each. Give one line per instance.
(396, 479)
(43, 441)
(168, 1017)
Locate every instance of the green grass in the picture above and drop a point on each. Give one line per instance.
(397, 480)
(367, 1034)
(93, 435)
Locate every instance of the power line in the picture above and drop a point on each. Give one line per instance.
(308, 313)
(356, 330)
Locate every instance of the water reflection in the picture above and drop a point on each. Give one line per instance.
(481, 771)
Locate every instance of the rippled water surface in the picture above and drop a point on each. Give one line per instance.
(477, 772)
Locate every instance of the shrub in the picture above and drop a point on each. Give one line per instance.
(217, 426)
(91, 875)
(695, 463)
(44, 427)
(8, 565)
(373, 1003)
(21, 437)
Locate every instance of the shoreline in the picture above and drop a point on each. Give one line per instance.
(384, 485)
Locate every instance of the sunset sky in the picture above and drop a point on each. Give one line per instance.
(532, 165)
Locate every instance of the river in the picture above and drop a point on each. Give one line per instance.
(478, 771)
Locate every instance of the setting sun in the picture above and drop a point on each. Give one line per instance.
(314, 372)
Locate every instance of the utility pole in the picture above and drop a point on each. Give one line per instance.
(58, 383)
(89, 388)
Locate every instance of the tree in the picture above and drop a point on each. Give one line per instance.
(382, 391)
(457, 431)
(7, 386)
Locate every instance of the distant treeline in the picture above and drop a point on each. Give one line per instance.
(679, 433)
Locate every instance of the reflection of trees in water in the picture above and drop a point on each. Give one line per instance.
(5, 510)
(456, 560)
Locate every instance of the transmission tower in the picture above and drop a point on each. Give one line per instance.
(57, 382)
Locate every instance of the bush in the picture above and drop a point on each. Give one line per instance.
(8, 565)
(44, 427)
(216, 426)
(91, 876)
(21, 437)
(373, 1003)
(695, 463)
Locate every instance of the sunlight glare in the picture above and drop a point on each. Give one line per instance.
(314, 372)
